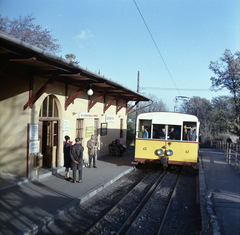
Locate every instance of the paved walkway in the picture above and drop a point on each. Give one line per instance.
(26, 207)
(220, 194)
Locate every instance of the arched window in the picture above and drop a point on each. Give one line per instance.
(49, 107)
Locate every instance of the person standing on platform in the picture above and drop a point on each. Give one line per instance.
(76, 153)
(92, 145)
(67, 158)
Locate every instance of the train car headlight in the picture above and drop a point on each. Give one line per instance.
(169, 152)
(159, 152)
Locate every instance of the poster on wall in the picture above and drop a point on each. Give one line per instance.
(89, 131)
(33, 132)
(103, 129)
(34, 146)
(65, 127)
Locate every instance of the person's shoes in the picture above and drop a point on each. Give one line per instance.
(79, 181)
(94, 167)
(74, 181)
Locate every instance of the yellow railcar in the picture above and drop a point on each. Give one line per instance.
(167, 138)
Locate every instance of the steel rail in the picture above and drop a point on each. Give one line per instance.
(134, 214)
(89, 230)
(168, 205)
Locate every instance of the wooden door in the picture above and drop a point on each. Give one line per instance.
(54, 147)
(49, 143)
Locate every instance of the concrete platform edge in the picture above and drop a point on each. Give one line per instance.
(209, 219)
(51, 172)
(35, 227)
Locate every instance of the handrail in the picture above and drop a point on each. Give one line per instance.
(233, 158)
(232, 152)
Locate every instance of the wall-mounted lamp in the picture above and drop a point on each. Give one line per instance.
(90, 91)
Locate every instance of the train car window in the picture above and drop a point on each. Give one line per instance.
(159, 131)
(189, 131)
(174, 132)
(144, 129)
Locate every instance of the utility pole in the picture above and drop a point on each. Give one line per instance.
(138, 83)
(138, 88)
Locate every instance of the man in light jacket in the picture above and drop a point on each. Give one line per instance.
(92, 145)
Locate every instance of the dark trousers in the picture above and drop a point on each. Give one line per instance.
(77, 168)
(92, 158)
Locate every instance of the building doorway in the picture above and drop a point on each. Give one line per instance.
(49, 143)
(49, 132)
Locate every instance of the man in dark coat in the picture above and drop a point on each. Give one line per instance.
(76, 153)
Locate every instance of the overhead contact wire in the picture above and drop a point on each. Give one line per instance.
(156, 47)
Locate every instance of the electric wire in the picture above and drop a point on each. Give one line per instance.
(170, 89)
(181, 89)
(158, 50)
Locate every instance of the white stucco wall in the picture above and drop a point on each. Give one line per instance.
(14, 122)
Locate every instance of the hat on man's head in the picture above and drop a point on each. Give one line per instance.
(92, 136)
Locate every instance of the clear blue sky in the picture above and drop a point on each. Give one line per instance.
(110, 36)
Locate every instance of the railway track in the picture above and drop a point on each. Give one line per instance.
(151, 196)
(145, 201)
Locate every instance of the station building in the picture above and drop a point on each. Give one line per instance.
(44, 98)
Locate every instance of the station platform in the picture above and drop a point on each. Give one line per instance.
(219, 194)
(26, 206)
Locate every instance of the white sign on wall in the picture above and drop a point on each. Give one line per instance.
(110, 118)
(34, 146)
(65, 127)
(33, 132)
(88, 115)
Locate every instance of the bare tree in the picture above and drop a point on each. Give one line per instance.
(201, 108)
(24, 29)
(155, 105)
(227, 75)
(222, 115)
(216, 118)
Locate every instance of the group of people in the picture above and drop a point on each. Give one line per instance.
(73, 157)
(119, 147)
(172, 134)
